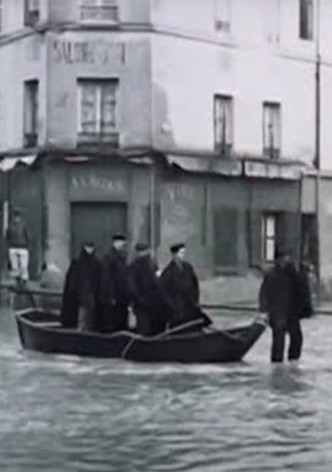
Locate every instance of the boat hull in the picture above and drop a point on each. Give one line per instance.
(41, 331)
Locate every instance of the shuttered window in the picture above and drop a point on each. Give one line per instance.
(226, 229)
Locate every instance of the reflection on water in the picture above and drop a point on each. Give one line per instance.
(67, 414)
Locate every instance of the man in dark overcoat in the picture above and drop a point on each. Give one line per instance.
(285, 297)
(80, 296)
(150, 305)
(114, 288)
(180, 283)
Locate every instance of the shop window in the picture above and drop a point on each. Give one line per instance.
(269, 237)
(306, 19)
(271, 130)
(31, 113)
(100, 10)
(223, 123)
(31, 12)
(98, 101)
(222, 15)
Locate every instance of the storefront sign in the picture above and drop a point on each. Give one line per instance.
(269, 170)
(88, 52)
(93, 186)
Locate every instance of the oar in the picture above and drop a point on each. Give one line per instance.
(179, 328)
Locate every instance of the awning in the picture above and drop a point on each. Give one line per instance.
(226, 167)
(9, 163)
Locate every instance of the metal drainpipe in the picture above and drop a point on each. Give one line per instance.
(152, 208)
(318, 143)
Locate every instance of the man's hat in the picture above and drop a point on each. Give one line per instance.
(89, 243)
(119, 237)
(141, 247)
(175, 248)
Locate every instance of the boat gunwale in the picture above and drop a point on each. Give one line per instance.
(162, 337)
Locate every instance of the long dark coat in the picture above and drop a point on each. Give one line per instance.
(151, 306)
(114, 292)
(285, 296)
(181, 285)
(81, 288)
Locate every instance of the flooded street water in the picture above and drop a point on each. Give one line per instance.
(68, 414)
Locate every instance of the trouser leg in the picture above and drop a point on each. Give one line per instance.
(278, 344)
(296, 340)
(85, 319)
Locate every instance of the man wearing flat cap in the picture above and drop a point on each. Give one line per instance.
(151, 307)
(181, 285)
(285, 297)
(114, 288)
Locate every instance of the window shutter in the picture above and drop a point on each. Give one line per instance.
(226, 232)
(255, 238)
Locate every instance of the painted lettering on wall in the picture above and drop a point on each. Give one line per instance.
(88, 52)
(95, 183)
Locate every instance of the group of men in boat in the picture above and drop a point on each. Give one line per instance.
(99, 293)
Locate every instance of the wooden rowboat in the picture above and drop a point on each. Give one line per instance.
(41, 331)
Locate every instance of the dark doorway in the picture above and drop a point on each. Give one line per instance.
(309, 239)
(96, 222)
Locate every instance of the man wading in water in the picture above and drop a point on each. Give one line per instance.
(285, 297)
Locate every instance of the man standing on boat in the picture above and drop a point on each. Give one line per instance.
(114, 288)
(80, 296)
(180, 283)
(150, 305)
(286, 298)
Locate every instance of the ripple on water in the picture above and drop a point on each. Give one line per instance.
(68, 414)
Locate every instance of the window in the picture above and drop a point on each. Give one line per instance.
(31, 113)
(97, 111)
(31, 12)
(100, 10)
(223, 123)
(222, 10)
(306, 19)
(269, 237)
(271, 129)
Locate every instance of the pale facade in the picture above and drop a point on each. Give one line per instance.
(234, 81)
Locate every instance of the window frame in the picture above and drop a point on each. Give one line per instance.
(31, 112)
(266, 238)
(100, 6)
(272, 141)
(98, 134)
(306, 20)
(225, 103)
(31, 12)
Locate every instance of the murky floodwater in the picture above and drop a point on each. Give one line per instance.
(66, 414)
